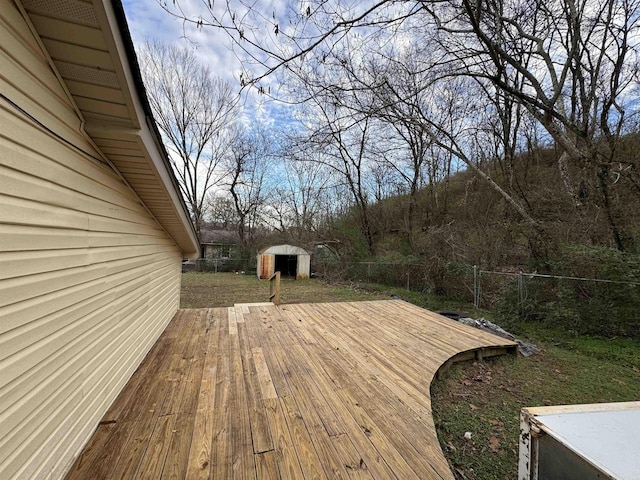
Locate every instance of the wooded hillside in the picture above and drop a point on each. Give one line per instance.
(462, 221)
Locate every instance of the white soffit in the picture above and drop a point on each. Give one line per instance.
(92, 51)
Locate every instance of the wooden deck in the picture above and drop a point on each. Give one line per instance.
(335, 390)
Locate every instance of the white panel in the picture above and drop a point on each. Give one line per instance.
(304, 267)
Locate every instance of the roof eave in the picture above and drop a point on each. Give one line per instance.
(117, 24)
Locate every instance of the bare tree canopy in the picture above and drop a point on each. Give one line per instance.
(571, 65)
(193, 109)
(248, 162)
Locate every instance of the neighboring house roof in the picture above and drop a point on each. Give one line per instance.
(220, 236)
(283, 250)
(92, 53)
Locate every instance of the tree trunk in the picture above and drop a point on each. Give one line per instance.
(603, 173)
(366, 228)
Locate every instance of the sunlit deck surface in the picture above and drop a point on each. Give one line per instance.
(334, 390)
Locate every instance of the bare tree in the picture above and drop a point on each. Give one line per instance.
(247, 165)
(193, 109)
(344, 145)
(572, 64)
(222, 211)
(301, 198)
(422, 119)
(400, 96)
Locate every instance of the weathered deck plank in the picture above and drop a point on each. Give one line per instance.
(311, 391)
(199, 461)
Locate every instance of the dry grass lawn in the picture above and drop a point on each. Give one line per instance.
(206, 290)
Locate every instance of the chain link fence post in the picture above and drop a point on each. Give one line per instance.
(476, 287)
(521, 293)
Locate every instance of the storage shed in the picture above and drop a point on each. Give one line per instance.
(290, 261)
(92, 228)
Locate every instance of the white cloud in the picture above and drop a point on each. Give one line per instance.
(149, 21)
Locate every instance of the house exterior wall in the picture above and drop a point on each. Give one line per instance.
(88, 279)
(219, 250)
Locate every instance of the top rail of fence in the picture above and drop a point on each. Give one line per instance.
(559, 277)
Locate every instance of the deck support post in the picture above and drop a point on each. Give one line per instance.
(274, 288)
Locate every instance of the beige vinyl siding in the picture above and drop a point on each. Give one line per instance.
(88, 279)
(19, 54)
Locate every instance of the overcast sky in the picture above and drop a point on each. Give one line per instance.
(148, 21)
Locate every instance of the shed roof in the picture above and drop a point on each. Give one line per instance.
(283, 250)
(91, 51)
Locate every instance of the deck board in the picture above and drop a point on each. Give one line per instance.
(309, 391)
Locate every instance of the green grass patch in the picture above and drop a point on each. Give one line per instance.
(625, 351)
(424, 300)
(485, 398)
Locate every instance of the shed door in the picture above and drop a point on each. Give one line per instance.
(267, 265)
(287, 265)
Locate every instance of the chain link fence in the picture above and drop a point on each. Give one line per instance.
(524, 283)
(582, 304)
(244, 262)
(604, 306)
(452, 280)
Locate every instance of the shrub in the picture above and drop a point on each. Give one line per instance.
(581, 306)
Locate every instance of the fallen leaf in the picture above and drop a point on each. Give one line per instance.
(473, 407)
(494, 444)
